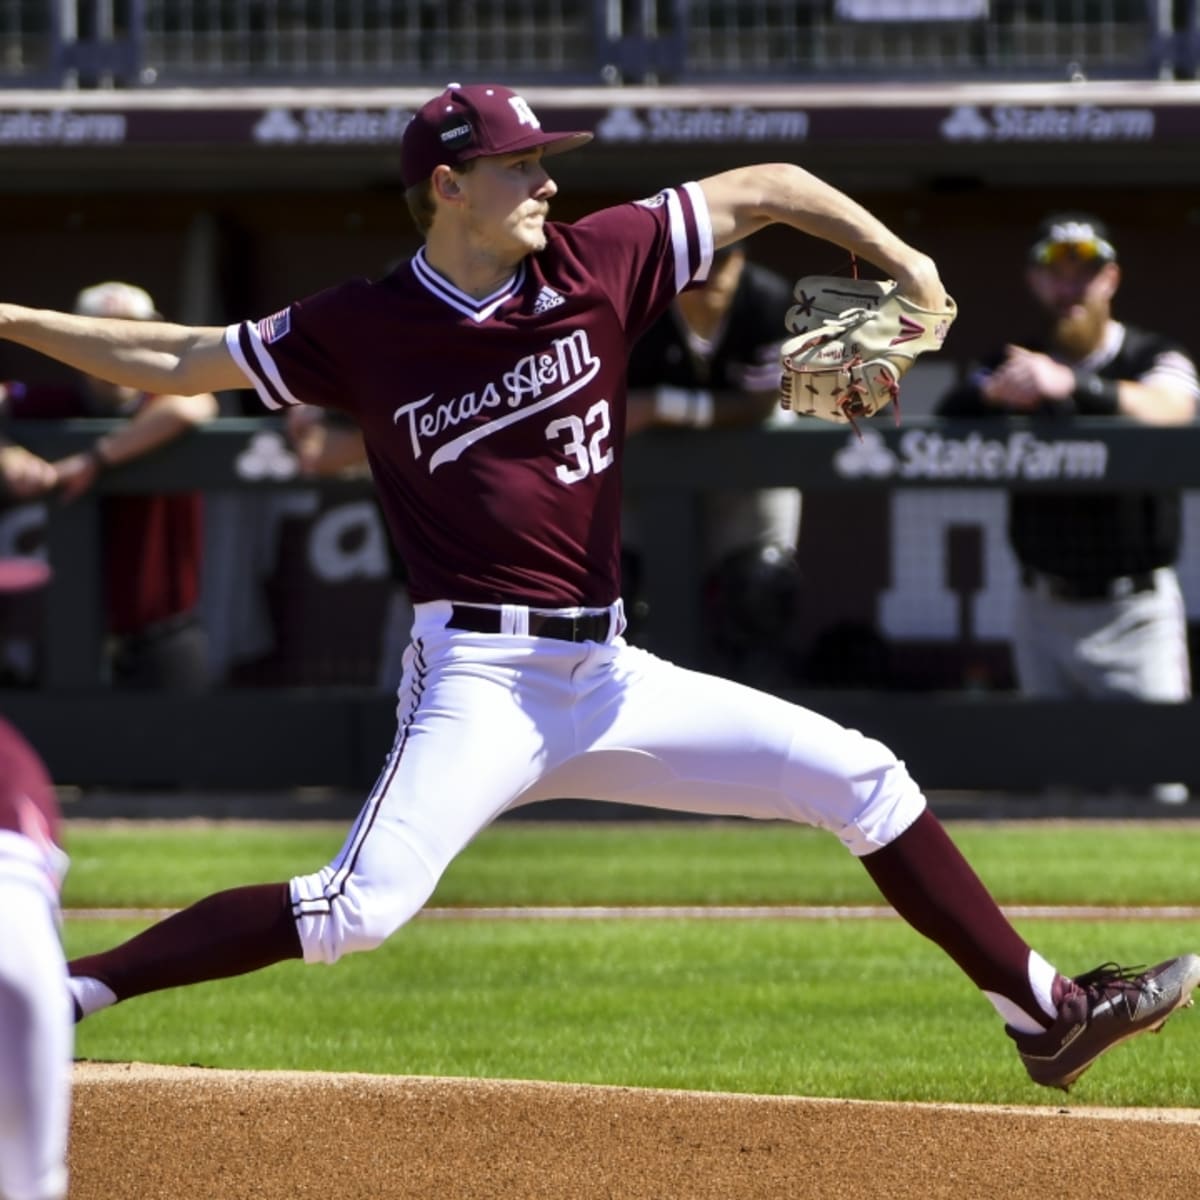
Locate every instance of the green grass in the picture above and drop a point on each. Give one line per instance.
(835, 1008)
(518, 862)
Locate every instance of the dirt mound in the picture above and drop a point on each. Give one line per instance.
(172, 1133)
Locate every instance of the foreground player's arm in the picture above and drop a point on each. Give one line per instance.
(152, 356)
(747, 199)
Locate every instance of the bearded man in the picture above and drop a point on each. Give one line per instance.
(1099, 612)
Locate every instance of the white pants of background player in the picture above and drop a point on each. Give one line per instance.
(1130, 647)
(36, 1029)
(488, 722)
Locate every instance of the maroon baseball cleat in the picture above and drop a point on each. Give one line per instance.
(1101, 1009)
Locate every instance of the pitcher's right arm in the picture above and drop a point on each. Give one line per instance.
(152, 356)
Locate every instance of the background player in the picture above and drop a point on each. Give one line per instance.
(36, 1029)
(487, 374)
(1100, 613)
(712, 361)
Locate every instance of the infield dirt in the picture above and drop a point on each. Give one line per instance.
(143, 1132)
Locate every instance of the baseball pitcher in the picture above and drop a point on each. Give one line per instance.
(487, 374)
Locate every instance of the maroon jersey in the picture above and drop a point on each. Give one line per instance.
(152, 544)
(27, 802)
(494, 426)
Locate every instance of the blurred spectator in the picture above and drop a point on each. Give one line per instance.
(152, 543)
(327, 445)
(712, 361)
(1099, 612)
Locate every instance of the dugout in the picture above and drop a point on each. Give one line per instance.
(228, 203)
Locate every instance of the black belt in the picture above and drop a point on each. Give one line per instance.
(1062, 587)
(591, 627)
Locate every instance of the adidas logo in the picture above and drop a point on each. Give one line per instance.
(547, 299)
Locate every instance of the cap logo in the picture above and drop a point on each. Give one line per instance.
(524, 113)
(456, 132)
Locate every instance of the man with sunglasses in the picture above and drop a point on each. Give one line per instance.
(1099, 612)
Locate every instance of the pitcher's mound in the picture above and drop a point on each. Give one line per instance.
(172, 1133)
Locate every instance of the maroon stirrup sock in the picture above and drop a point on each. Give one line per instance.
(229, 933)
(925, 878)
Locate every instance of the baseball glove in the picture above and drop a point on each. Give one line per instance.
(853, 341)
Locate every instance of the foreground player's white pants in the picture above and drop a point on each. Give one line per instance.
(488, 722)
(36, 1034)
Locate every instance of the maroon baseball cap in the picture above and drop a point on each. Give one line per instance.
(470, 122)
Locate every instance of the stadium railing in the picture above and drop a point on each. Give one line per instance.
(221, 43)
(248, 737)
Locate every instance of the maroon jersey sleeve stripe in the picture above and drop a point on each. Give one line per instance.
(256, 365)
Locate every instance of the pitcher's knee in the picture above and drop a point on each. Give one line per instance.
(856, 788)
(889, 802)
(336, 916)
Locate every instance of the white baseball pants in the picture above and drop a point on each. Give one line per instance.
(487, 722)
